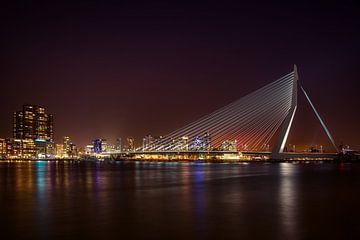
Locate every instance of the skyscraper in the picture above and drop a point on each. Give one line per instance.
(32, 133)
(32, 122)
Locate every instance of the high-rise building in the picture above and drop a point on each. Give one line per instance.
(32, 133)
(66, 146)
(32, 122)
(69, 148)
(130, 144)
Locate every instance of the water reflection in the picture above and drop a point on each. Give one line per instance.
(57, 200)
(288, 200)
(199, 200)
(41, 181)
(42, 189)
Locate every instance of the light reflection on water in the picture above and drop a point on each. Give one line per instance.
(142, 200)
(288, 199)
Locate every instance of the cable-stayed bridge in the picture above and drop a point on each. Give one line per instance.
(246, 125)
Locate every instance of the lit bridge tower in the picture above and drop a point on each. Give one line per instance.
(278, 150)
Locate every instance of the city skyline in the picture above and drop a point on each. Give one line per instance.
(138, 69)
(218, 131)
(139, 142)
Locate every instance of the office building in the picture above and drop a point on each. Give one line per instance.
(32, 122)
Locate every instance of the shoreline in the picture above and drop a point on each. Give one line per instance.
(109, 160)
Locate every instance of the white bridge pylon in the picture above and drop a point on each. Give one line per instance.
(249, 122)
(286, 126)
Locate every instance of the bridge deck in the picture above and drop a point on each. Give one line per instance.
(220, 155)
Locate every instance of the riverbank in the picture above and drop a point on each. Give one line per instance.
(254, 160)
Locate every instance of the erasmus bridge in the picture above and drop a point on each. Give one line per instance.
(249, 124)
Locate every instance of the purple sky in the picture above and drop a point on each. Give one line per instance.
(115, 70)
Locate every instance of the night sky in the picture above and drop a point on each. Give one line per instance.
(109, 69)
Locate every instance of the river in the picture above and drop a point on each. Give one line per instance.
(151, 200)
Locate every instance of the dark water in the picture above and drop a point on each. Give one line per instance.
(43, 200)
